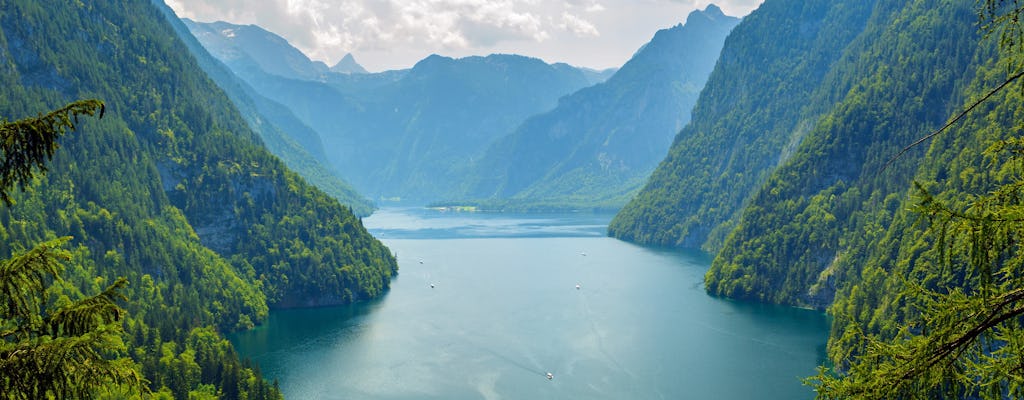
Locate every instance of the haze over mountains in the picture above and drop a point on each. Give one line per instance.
(453, 129)
(598, 146)
(284, 134)
(186, 185)
(782, 172)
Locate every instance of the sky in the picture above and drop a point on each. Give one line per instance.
(395, 34)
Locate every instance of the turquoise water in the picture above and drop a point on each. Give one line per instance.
(504, 311)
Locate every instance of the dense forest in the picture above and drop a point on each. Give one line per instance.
(172, 191)
(286, 136)
(816, 208)
(757, 105)
(916, 256)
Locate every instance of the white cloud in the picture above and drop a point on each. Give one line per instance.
(578, 26)
(387, 34)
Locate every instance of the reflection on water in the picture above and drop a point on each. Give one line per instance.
(486, 305)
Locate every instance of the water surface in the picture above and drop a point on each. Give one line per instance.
(486, 304)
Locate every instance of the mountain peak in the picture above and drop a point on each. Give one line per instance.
(713, 11)
(348, 65)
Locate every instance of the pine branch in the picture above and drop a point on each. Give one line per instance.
(27, 144)
(88, 314)
(23, 279)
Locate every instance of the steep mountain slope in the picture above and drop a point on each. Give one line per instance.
(760, 101)
(819, 138)
(903, 243)
(254, 45)
(820, 211)
(599, 144)
(284, 134)
(172, 190)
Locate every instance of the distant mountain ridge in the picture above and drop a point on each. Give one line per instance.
(407, 134)
(348, 65)
(596, 148)
(492, 128)
(251, 44)
(285, 135)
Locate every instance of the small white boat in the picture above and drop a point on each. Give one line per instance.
(550, 376)
(577, 286)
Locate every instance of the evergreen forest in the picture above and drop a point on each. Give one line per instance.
(858, 157)
(837, 169)
(168, 207)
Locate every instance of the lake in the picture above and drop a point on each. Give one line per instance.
(485, 305)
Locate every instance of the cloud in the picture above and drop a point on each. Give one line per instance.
(578, 26)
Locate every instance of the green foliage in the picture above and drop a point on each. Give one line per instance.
(61, 351)
(29, 143)
(936, 312)
(282, 133)
(923, 282)
(761, 100)
(804, 230)
(951, 326)
(172, 191)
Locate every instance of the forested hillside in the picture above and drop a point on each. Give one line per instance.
(821, 211)
(286, 136)
(789, 165)
(918, 251)
(172, 190)
(761, 99)
(595, 149)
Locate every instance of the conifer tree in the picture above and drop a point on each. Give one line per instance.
(46, 351)
(962, 337)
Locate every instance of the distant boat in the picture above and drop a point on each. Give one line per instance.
(550, 376)
(421, 261)
(583, 253)
(431, 285)
(577, 286)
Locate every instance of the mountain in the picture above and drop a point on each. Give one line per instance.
(348, 65)
(595, 76)
(759, 102)
(823, 206)
(428, 126)
(780, 172)
(285, 135)
(600, 143)
(817, 115)
(839, 222)
(250, 44)
(172, 190)
(408, 134)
